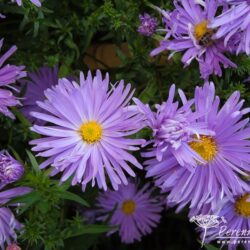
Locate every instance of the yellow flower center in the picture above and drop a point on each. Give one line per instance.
(205, 146)
(91, 132)
(202, 33)
(242, 206)
(128, 207)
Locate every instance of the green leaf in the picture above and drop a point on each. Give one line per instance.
(65, 185)
(20, 117)
(16, 155)
(27, 200)
(211, 247)
(148, 93)
(24, 122)
(33, 162)
(43, 207)
(63, 71)
(121, 55)
(73, 197)
(71, 44)
(88, 229)
(36, 29)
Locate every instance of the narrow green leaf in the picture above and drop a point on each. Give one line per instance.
(89, 229)
(73, 197)
(65, 185)
(26, 206)
(43, 206)
(36, 29)
(33, 196)
(20, 117)
(211, 247)
(148, 93)
(26, 200)
(16, 155)
(33, 161)
(24, 122)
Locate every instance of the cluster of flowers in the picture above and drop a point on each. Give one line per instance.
(10, 169)
(88, 138)
(204, 30)
(199, 152)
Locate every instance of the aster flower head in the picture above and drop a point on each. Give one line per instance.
(35, 2)
(7, 100)
(87, 137)
(36, 84)
(173, 128)
(137, 212)
(235, 22)
(9, 225)
(148, 24)
(8, 74)
(188, 31)
(236, 214)
(10, 169)
(226, 154)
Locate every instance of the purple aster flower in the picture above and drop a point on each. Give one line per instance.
(136, 214)
(188, 31)
(227, 155)
(233, 43)
(7, 219)
(236, 214)
(89, 126)
(8, 74)
(8, 194)
(235, 20)
(7, 100)
(148, 25)
(37, 83)
(8, 226)
(35, 2)
(10, 169)
(173, 128)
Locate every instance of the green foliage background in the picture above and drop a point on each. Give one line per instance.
(60, 33)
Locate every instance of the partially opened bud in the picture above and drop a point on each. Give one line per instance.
(148, 25)
(10, 169)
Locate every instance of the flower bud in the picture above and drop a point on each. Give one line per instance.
(13, 247)
(148, 25)
(10, 169)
